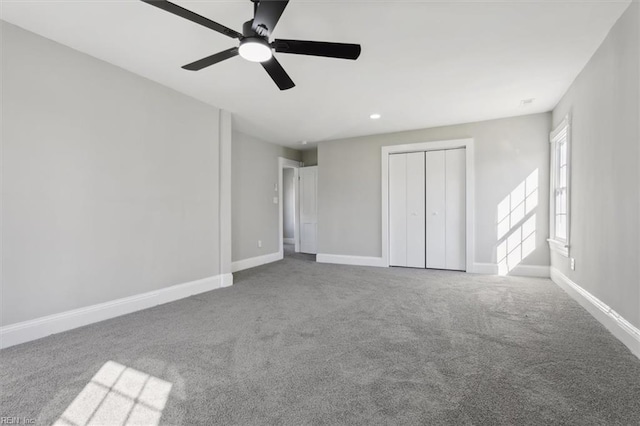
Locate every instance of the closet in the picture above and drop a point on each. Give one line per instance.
(427, 204)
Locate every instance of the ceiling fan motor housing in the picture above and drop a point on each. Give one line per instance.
(253, 47)
(249, 31)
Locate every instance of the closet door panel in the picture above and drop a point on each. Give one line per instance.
(455, 165)
(415, 210)
(435, 209)
(398, 210)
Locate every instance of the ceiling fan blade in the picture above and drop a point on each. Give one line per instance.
(267, 15)
(213, 59)
(318, 48)
(278, 74)
(193, 17)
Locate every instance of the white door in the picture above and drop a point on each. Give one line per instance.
(427, 205)
(446, 207)
(435, 209)
(308, 209)
(406, 210)
(415, 210)
(455, 245)
(398, 210)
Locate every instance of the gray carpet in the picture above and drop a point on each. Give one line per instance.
(296, 342)
(289, 251)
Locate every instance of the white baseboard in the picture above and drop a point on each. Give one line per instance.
(626, 332)
(349, 260)
(478, 268)
(518, 271)
(485, 268)
(26, 331)
(252, 262)
(531, 271)
(227, 280)
(289, 240)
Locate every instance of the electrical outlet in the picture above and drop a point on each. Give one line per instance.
(259, 243)
(573, 264)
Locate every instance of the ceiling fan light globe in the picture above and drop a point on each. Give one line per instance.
(255, 50)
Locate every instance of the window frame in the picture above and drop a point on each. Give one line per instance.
(556, 244)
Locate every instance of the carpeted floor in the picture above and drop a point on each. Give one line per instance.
(290, 251)
(295, 342)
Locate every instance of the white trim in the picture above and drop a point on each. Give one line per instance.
(622, 329)
(485, 268)
(252, 262)
(226, 280)
(519, 271)
(289, 164)
(566, 122)
(26, 331)
(350, 260)
(468, 144)
(530, 271)
(556, 245)
(296, 213)
(224, 194)
(289, 240)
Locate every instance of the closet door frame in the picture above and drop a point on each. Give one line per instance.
(468, 144)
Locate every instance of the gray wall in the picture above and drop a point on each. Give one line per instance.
(110, 181)
(254, 176)
(288, 203)
(310, 157)
(605, 233)
(506, 152)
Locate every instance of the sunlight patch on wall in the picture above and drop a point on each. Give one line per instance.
(118, 395)
(517, 246)
(516, 227)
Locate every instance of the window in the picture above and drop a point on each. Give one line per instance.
(560, 188)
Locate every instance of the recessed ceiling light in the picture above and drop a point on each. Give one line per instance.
(303, 142)
(527, 102)
(375, 116)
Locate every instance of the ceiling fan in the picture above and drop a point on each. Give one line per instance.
(254, 40)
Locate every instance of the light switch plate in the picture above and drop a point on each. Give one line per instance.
(573, 264)
(275, 200)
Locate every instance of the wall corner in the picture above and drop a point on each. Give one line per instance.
(224, 204)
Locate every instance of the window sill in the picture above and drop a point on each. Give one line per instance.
(559, 247)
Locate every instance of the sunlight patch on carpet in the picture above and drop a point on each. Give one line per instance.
(118, 395)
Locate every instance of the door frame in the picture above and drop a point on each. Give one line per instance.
(468, 144)
(285, 163)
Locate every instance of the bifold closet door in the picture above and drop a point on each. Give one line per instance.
(398, 210)
(415, 210)
(456, 207)
(436, 209)
(446, 207)
(406, 210)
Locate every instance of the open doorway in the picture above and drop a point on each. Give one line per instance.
(289, 210)
(297, 209)
(289, 206)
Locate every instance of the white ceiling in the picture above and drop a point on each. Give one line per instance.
(423, 63)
